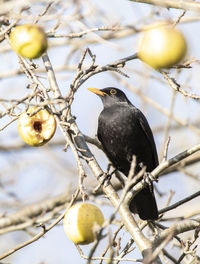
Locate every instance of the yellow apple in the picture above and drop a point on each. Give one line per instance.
(81, 221)
(37, 129)
(28, 40)
(162, 46)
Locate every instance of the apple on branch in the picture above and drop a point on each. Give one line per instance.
(28, 40)
(81, 221)
(36, 126)
(161, 45)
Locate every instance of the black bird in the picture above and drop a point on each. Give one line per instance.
(123, 132)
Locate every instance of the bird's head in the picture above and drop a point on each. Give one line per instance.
(110, 95)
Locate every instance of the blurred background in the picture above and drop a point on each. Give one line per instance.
(33, 175)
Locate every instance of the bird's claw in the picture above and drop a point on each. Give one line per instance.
(104, 178)
(148, 181)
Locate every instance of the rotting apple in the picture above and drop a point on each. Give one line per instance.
(36, 126)
(81, 221)
(28, 40)
(162, 46)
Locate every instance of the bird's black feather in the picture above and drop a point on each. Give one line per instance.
(124, 131)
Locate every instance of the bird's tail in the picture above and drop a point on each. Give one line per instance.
(144, 203)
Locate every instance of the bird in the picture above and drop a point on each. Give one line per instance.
(124, 132)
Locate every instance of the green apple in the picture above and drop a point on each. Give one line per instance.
(80, 222)
(162, 46)
(28, 40)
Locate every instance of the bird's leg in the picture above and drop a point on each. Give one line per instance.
(147, 178)
(105, 177)
(152, 225)
(108, 167)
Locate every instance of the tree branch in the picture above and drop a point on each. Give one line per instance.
(183, 4)
(177, 228)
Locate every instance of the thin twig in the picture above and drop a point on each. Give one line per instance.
(44, 230)
(183, 201)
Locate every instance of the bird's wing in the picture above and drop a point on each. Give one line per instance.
(149, 135)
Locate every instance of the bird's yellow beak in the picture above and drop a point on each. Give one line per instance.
(97, 91)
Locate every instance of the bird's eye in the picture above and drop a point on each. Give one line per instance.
(113, 91)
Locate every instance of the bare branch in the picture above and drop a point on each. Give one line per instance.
(183, 201)
(178, 228)
(44, 230)
(184, 4)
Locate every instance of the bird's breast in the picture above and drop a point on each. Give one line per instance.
(116, 135)
(117, 122)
